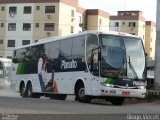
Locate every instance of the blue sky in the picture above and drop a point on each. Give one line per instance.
(148, 7)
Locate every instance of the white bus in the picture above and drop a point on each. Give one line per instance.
(5, 66)
(91, 64)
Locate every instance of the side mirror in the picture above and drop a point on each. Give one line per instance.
(99, 54)
(15, 60)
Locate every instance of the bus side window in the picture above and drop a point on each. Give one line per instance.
(78, 52)
(66, 47)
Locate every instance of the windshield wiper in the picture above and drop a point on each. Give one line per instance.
(132, 69)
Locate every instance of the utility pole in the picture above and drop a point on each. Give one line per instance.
(124, 5)
(157, 52)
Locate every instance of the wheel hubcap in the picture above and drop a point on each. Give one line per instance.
(81, 93)
(22, 90)
(29, 92)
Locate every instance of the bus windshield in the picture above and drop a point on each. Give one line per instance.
(113, 55)
(135, 58)
(122, 57)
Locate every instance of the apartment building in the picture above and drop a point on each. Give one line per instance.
(130, 22)
(150, 35)
(81, 17)
(2, 29)
(97, 20)
(26, 21)
(93, 19)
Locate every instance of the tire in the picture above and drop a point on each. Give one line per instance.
(117, 100)
(80, 94)
(29, 92)
(58, 97)
(22, 90)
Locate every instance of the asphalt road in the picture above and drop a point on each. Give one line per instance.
(12, 103)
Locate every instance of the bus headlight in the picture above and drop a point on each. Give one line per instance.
(109, 85)
(106, 84)
(141, 87)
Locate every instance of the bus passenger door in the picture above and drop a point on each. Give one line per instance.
(95, 71)
(92, 61)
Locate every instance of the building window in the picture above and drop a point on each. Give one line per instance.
(50, 9)
(132, 24)
(72, 13)
(27, 10)
(36, 41)
(72, 29)
(2, 8)
(37, 7)
(80, 19)
(1, 41)
(26, 27)
(12, 10)
(11, 43)
(37, 25)
(132, 33)
(25, 42)
(2, 24)
(12, 27)
(100, 21)
(49, 27)
(9, 57)
(116, 24)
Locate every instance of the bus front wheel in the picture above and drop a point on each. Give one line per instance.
(80, 94)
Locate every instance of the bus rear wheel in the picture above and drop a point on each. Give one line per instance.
(22, 90)
(117, 100)
(80, 94)
(29, 92)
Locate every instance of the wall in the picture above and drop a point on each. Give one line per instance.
(2, 29)
(66, 20)
(41, 17)
(19, 19)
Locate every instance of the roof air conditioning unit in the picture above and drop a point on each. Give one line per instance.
(12, 14)
(72, 19)
(80, 24)
(131, 28)
(48, 34)
(49, 16)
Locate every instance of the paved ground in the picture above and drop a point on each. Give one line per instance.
(28, 108)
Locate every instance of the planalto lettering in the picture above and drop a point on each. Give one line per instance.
(68, 65)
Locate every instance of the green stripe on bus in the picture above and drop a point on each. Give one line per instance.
(20, 69)
(110, 81)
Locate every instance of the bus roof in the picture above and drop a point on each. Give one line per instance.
(56, 38)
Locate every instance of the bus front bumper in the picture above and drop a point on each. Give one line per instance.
(123, 92)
